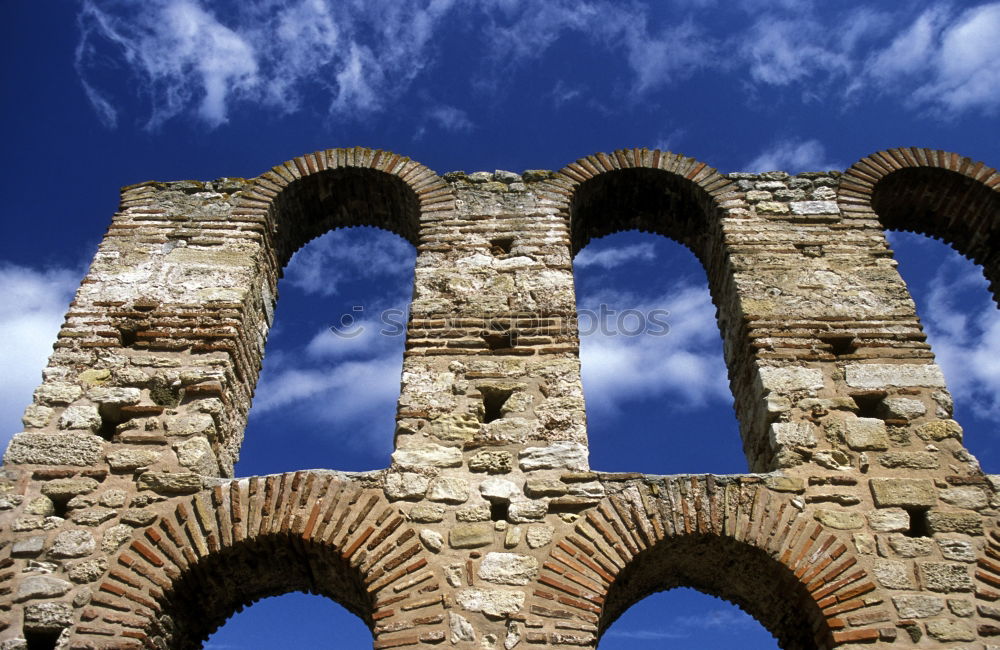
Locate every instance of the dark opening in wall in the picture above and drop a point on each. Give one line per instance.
(41, 639)
(498, 510)
(128, 335)
(840, 344)
(501, 337)
(493, 400)
(869, 403)
(919, 526)
(501, 245)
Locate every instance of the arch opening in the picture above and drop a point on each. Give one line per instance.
(292, 620)
(944, 204)
(652, 360)
(335, 198)
(224, 583)
(333, 358)
(962, 323)
(686, 618)
(649, 200)
(736, 572)
(654, 200)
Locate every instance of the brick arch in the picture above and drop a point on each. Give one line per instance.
(177, 580)
(934, 193)
(304, 197)
(800, 580)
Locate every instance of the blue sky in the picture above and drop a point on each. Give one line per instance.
(100, 94)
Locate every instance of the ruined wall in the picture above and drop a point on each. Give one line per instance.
(865, 521)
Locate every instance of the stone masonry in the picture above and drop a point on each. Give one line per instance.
(864, 521)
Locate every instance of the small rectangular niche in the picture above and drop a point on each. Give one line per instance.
(493, 401)
(500, 338)
(41, 640)
(499, 511)
(919, 526)
(500, 246)
(840, 344)
(869, 403)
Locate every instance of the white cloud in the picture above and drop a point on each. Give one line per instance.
(450, 118)
(32, 305)
(963, 327)
(320, 267)
(181, 53)
(360, 55)
(684, 363)
(609, 258)
(793, 156)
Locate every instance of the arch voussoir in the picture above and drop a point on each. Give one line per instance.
(644, 527)
(357, 547)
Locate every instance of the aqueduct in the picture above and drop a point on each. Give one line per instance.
(864, 520)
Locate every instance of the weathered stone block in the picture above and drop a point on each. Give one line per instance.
(893, 375)
(893, 574)
(558, 455)
(955, 522)
(905, 492)
(866, 434)
(63, 489)
(494, 603)
(792, 433)
(43, 586)
(128, 459)
(448, 489)
(47, 617)
(428, 455)
(508, 568)
(945, 577)
(918, 605)
(170, 482)
(492, 462)
(470, 535)
(79, 449)
(789, 379)
(405, 485)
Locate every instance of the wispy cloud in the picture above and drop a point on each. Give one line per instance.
(183, 55)
(321, 267)
(792, 156)
(685, 362)
(359, 58)
(32, 305)
(609, 258)
(963, 327)
(682, 627)
(949, 60)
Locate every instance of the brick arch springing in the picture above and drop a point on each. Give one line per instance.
(177, 580)
(934, 193)
(800, 580)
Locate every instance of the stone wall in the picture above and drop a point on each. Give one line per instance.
(865, 521)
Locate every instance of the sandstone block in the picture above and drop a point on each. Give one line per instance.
(429, 455)
(494, 603)
(946, 577)
(909, 460)
(431, 539)
(893, 375)
(889, 520)
(405, 485)
(73, 543)
(79, 449)
(539, 535)
(558, 455)
(492, 462)
(893, 574)
(792, 434)
(971, 498)
(949, 630)
(170, 482)
(840, 519)
(426, 513)
(127, 459)
(790, 379)
(902, 408)
(470, 535)
(524, 511)
(866, 434)
(938, 430)
(968, 523)
(918, 606)
(499, 490)
(905, 492)
(814, 207)
(508, 568)
(47, 618)
(83, 417)
(57, 393)
(959, 550)
(448, 489)
(63, 489)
